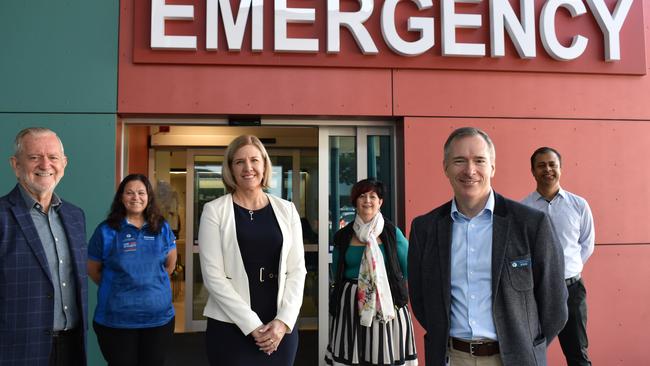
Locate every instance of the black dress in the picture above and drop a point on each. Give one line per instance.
(260, 243)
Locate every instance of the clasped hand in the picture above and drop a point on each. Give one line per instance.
(268, 336)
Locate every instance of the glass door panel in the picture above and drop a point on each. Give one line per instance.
(295, 178)
(207, 187)
(380, 167)
(349, 154)
(168, 177)
(343, 168)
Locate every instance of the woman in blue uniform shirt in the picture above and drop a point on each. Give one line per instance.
(130, 257)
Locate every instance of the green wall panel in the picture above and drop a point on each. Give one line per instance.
(58, 56)
(89, 181)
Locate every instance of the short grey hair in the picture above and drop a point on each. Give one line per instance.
(236, 144)
(467, 132)
(35, 131)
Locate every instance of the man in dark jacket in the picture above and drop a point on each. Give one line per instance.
(43, 281)
(485, 273)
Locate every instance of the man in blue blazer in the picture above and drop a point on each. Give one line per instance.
(485, 273)
(43, 280)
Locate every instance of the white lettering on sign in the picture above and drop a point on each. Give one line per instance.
(521, 33)
(521, 27)
(547, 29)
(422, 25)
(160, 12)
(610, 25)
(450, 21)
(284, 16)
(234, 29)
(353, 22)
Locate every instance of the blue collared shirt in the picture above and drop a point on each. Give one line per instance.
(134, 291)
(471, 274)
(573, 225)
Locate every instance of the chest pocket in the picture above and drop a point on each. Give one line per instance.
(520, 271)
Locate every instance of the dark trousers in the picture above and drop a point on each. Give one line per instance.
(226, 345)
(134, 347)
(573, 338)
(67, 348)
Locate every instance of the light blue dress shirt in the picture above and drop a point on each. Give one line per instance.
(471, 274)
(573, 225)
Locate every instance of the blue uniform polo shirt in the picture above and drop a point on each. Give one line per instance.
(134, 291)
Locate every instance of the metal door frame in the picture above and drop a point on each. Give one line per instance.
(324, 257)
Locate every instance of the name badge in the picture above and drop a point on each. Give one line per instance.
(520, 263)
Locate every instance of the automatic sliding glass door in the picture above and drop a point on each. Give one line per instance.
(347, 154)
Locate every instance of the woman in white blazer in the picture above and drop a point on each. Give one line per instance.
(253, 266)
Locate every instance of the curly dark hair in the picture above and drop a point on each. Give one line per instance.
(151, 213)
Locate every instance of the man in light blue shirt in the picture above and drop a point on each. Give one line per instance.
(485, 273)
(574, 227)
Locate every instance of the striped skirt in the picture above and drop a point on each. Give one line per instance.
(350, 343)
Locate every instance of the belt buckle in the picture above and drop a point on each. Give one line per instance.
(261, 274)
(471, 347)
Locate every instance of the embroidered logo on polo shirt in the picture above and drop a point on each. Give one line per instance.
(129, 244)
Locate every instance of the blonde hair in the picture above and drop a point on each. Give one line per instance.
(236, 144)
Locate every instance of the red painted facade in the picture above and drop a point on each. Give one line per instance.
(600, 123)
(598, 164)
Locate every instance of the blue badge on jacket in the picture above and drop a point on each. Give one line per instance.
(520, 263)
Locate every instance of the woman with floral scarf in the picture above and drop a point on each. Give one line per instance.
(370, 323)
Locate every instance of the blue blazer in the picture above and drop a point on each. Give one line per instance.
(529, 302)
(26, 289)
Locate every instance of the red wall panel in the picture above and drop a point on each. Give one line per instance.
(617, 307)
(497, 94)
(224, 90)
(616, 278)
(601, 163)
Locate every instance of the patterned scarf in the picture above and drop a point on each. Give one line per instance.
(373, 294)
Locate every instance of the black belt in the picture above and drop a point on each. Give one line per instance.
(476, 348)
(266, 275)
(572, 280)
(64, 333)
